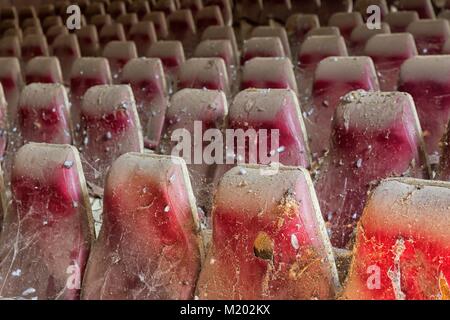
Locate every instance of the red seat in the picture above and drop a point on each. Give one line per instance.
(346, 22)
(34, 46)
(199, 73)
(43, 70)
(10, 47)
(221, 33)
(267, 47)
(171, 54)
(12, 83)
(430, 35)
(389, 52)
(313, 50)
(54, 32)
(118, 54)
(144, 35)
(117, 9)
(333, 79)
(48, 232)
(3, 142)
(271, 109)
(402, 237)
(360, 35)
(111, 32)
(159, 22)
(147, 80)
(44, 114)
(88, 40)
(252, 237)
(427, 80)
(399, 21)
(86, 73)
(424, 8)
(194, 112)
(280, 32)
(208, 16)
(157, 253)
(127, 20)
(182, 28)
(268, 73)
(369, 129)
(100, 20)
(67, 50)
(109, 127)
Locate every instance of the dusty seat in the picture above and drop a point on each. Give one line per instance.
(117, 9)
(157, 253)
(67, 50)
(3, 138)
(271, 109)
(140, 7)
(88, 40)
(262, 247)
(86, 73)
(118, 54)
(280, 32)
(369, 129)
(109, 127)
(430, 35)
(100, 20)
(401, 249)
(10, 47)
(43, 70)
(199, 73)
(127, 21)
(44, 114)
(111, 32)
(144, 35)
(221, 33)
(193, 112)
(313, 50)
(264, 47)
(159, 22)
(389, 52)
(146, 78)
(333, 79)
(48, 231)
(268, 73)
(424, 8)
(399, 21)
(171, 54)
(12, 83)
(34, 45)
(218, 49)
(208, 16)
(182, 28)
(225, 8)
(346, 22)
(361, 6)
(427, 80)
(166, 6)
(361, 34)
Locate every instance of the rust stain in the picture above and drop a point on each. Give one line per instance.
(444, 287)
